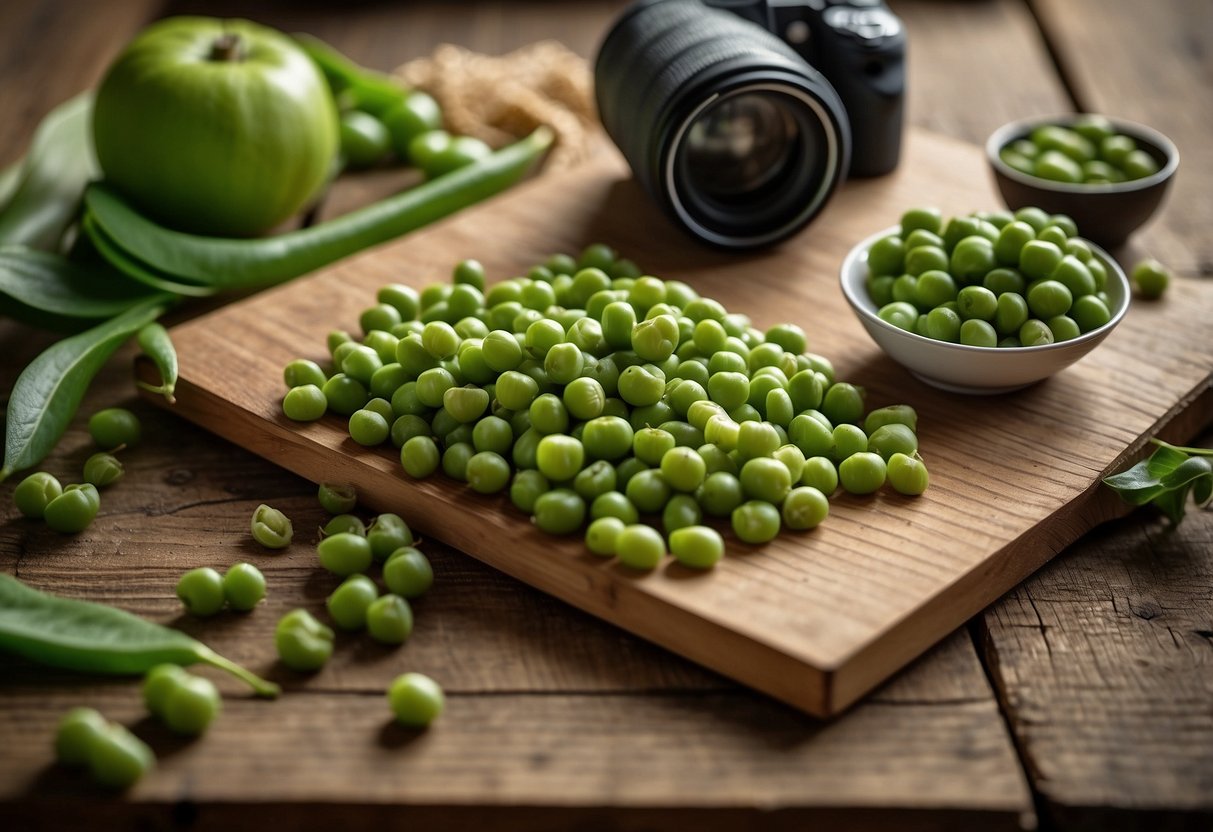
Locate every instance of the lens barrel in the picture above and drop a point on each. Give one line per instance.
(737, 138)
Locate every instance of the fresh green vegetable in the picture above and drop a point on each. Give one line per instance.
(349, 602)
(353, 85)
(1166, 479)
(302, 642)
(389, 619)
(699, 547)
(1150, 278)
(907, 473)
(102, 469)
(804, 508)
(639, 547)
(187, 704)
(387, 535)
(93, 638)
(115, 427)
(271, 528)
(201, 591)
(47, 187)
(1088, 152)
(77, 732)
(415, 700)
(243, 586)
(364, 139)
(156, 344)
(345, 553)
(73, 511)
(408, 573)
(34, 493)
(181, 125)
(47, 290)
(755, 521)
(50, 388)
(215, 264)
(337, 498)
(115, 757)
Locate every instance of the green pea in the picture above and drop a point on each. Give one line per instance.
(488, 472)
(922, 237)
(811, 436)
(301, 371)
(765, 479)
(907, 474)
(381, 316)
(1150, 278)
(1038, 259)
(683, 468)
(1138, 164)
(978, 333)
(271, 528)
(976, 302)
(191, 706)
(819, 472)
(897, 414)
(389, 619)
(890, 439)
(114, 427)
(900, 314)
(343, 523)
(201, 591)
(602, 534)
(361, 363)
(1002, 281)
(720, 493)
(757, 439)
(905, 289)
(639, 547)
(35, 493)
(549, 415)
(403, 298)
(368, 428)
(117, 758)
(415, 700)
(243, 586)
(756, 521)
(1048, 298)
(843, 402)
(526, 488)
(78, 730)
(848, 440)
(681, 511)
(927, 219)
(934, 288)
(302, 642)
(1058, 167)
(345, 553)
(886, 257)
(862, 473)
(804, 508)
(343, 395)
(641, 385)
(1063, 327)
(1035, 333)
(972, 258)
(942, 324)
(419, 456)
(559, 511)
(349, 602)
(387, 534)
(408, 573)
(648, 491)
(1074, 275)
(1090, 313)
(698, 547)
(596, 479)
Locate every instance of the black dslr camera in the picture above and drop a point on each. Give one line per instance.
(741, 117)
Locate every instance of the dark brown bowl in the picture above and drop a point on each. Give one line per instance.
(1105, 214)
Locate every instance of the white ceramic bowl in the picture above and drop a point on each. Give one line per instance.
(960, 368)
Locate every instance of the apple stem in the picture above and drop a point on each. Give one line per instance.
(227, 47)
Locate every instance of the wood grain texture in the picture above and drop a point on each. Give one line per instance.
(1153, 65)
(815, 620)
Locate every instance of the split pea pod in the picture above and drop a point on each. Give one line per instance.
(156, 344)
(94, 638)
(220, 264)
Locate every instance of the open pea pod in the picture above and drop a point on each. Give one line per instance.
(46, 194)
(221, 264)
(94, 638)
(49, 389)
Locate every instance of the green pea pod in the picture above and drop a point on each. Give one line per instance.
(59, 164)
(94, 638)
(222, 264)
(49, 389)
(156, 344)
(48, 290)
(139, 272)
(367, 90)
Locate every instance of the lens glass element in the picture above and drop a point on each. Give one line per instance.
(740, 145)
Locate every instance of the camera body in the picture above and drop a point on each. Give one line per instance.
(859, 46)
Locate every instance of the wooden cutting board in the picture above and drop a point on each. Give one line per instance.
(816, 619)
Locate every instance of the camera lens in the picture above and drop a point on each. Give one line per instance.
(738, 139)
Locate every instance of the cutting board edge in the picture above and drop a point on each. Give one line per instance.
(905, 640)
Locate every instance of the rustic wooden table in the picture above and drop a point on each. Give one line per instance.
(1079, 701)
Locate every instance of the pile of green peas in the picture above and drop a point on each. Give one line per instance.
(349, 548)
(989, 279)
(72, 508)
(114, 756)
(592, 394)
(1088, 152)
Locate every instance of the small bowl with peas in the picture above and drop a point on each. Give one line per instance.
(1109, 175)
(984, 303)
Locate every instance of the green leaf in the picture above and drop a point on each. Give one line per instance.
(1172, 504)
(49, 390)
(1165, 460)
(59, 164)
(1136, 486)
(138, 244)
(1186, 472)
(44, 289)
(9, 180)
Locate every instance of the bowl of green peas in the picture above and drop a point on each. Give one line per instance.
(1109, 175)
(984, 303)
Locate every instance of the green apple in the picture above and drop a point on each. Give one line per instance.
(215, 126)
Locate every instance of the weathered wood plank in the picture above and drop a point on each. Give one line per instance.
(1150, 64)
(1103, 663)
